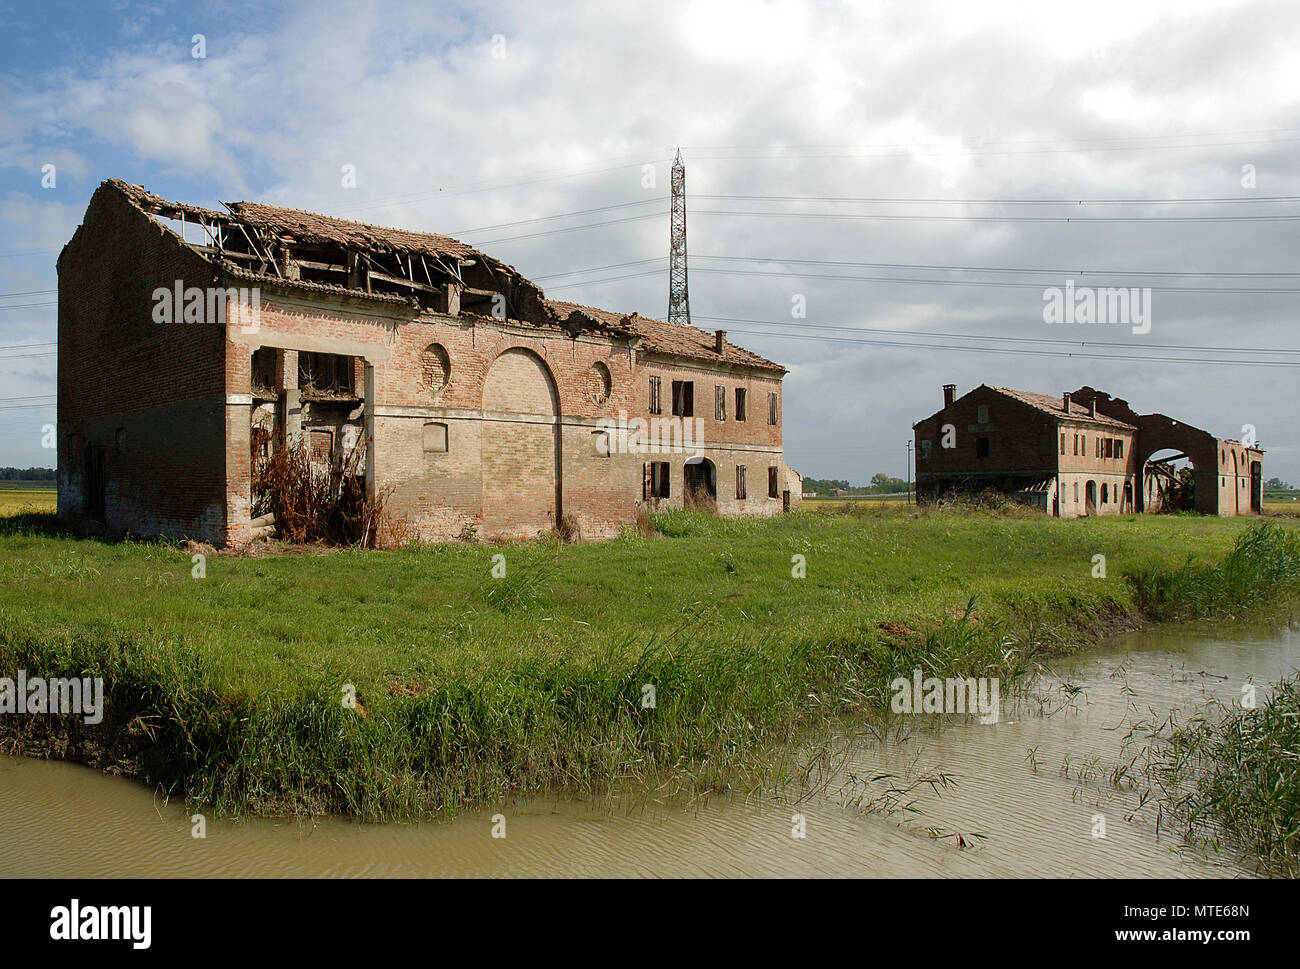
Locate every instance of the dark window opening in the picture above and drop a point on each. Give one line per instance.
(656, 402)
(740, 403)
(325, 373)
(683, 398)
(981, 447)
(657, 479)
(264, 378)
(772, 490)
(740, 482)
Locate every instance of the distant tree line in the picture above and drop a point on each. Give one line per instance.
(881, 484)
(27, 474)
(1276, 484)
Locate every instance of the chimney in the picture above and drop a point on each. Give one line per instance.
(1065, 402)
(719, 340)
(949, 394)
(1092, 407)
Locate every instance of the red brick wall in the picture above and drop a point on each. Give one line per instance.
(441, 493)
(160, 385)
(170, 403)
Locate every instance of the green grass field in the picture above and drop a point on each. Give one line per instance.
(226, 688)
(430, 611)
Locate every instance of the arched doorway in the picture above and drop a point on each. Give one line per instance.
(700, 484)
(1090, 498)
(521, 446)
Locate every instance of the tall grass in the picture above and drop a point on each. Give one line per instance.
(1264, 561)
(1232, 776)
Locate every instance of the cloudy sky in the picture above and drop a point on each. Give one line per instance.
(949, 161)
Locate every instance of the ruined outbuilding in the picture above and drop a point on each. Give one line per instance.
(1080, 453)
(192, 341)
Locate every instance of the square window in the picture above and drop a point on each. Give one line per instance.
(435, 438)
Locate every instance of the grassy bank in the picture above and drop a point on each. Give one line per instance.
(228, 688)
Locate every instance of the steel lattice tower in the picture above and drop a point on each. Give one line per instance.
(679, 301)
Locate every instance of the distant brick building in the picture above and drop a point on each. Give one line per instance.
(192, 340)
(1082, 453)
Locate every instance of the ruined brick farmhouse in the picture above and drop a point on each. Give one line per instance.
(1082, 453)
(192, 341)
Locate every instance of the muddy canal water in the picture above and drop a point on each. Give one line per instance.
(1020, 813)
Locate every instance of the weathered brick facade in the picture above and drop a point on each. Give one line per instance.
(1083, 453)
(495, 422)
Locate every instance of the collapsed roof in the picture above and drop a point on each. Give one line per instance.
(1055, 406)
(426, 271)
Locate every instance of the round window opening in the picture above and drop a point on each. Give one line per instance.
(600, 383)
(435, 368)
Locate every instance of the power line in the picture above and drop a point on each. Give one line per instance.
(1013, 339)
(922, 281)
(883, 200)
(565, 215)
(27, 306)
(488, 185)
(934, 266)
(1034, 353)
(575, 228)
(870, 217)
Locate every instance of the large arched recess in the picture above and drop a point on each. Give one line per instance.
(1160, 433)
(521, 446)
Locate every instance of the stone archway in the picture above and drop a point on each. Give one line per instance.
(521, 446)
(1159, 433)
